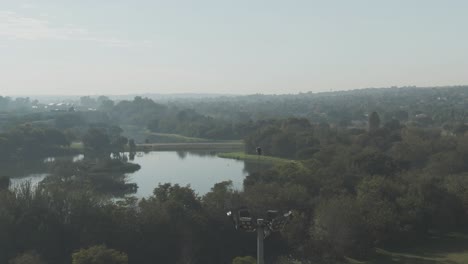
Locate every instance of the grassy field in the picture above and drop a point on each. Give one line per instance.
(218, 146)
(447, 249)
(186, 144)
(76, 145)
(141, 135)
(173, 138)
(254, 158)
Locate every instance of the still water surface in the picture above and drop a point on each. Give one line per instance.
(200, 170)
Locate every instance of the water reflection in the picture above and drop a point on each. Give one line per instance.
(64, 158)
(34, 178)
(199, 169)
(23, 169)
(182, 154)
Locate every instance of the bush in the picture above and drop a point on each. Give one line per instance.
(339, 228)
(27, 258)
(4, 182)
(244, 260)
(99, 255)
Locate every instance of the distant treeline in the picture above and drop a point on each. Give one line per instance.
(235, 117)
(373, 168)
(232, 117)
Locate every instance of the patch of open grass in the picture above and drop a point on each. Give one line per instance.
(173, 138)
(76, 145)
(210, 146)
(255, 158)
(446, 249)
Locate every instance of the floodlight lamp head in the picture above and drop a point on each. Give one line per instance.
(244, 213)
(288, 214)
(246, 224)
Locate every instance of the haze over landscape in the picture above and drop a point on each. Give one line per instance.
(241, 47)
(233, 132)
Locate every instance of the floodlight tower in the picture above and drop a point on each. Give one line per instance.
(273, 222)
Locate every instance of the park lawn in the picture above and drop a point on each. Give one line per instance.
(256, 158)
(446, 249)
(76, 145)
(173, 138)
(141, 135)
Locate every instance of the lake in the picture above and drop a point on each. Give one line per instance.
(201, 170)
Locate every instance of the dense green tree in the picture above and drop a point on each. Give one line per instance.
(374, 122)
(106, 105)
(4, 182)
(377, 201)
(55, 137)
(99, 255)
(97, 140)
(88, 101)
(29, 142)
(350, 190)
(28, 258)
(339, 226)
(372, 162)
(244, 260)
(69, 120)
(131, 145)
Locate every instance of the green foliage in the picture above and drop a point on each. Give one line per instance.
(290, 138)
(99, 255)
(376, 163)
(254, 158)
(102, 178)
(106, 105)
(137, 112)
(350, 190)
(244, 260)
(440, 104)
(190, 123)
(377, 198)
(131, 145)
(69, 120)
(374, 121)
(96, 140)
(220, 193)
(4, 182)
(338, 226)
(27, 258)
(27, 142)
(55, 137)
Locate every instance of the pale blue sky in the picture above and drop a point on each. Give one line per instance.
(238, 46)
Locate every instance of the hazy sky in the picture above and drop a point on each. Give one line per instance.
(221, 46)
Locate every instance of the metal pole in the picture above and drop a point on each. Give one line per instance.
(260, 237)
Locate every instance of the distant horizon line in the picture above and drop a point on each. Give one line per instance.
(204, 94)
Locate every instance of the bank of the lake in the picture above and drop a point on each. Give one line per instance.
(231, 145)
(255, 158)
(214, 146)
